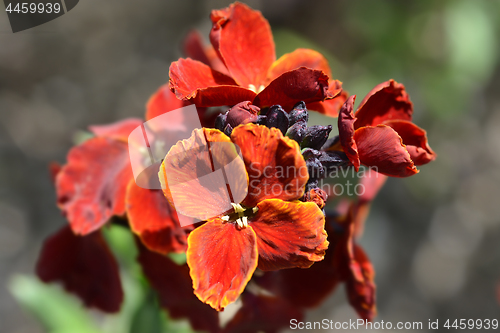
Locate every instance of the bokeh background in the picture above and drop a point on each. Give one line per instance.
(433, 238)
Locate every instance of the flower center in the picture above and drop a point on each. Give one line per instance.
(240, 215)
(255, 89)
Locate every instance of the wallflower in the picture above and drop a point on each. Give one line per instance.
(381, 134)
(95, 186)
(242, 40)
(269, 228)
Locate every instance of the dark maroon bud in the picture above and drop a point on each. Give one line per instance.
(297, 131)
(242, 113)
(299, 113)
(261, 120)
(311, 184)
(309, 152)
(316, 136)
(334, 159)
(220, 121)
(315, 168)
(228, 130)
(277, 117)
(331, 142)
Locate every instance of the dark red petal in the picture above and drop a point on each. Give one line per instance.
(261, 313)
(332, 106)
(371, 182)
(244, 41)
(387, 101)
(299, 58)
(301, 84)
(222, 259)
(85, 266)
(360, 286)
(117, 131)
(346, 132)
(54, 168)
(91, 187)
(354, 267)
(415, 140)
(242, 113)
(304, 288)
(196, 82)
(289, 234)
(195, 49)
(175, 291)
(162, 101)
(153, 219)
(382, 147)
(275, 166)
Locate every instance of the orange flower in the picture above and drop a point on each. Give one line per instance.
(269, 228)
(242, 66)
(380, 134)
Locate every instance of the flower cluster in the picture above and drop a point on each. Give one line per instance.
(270, 249)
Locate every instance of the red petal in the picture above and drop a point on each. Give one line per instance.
(332, 106)
(304, 288)
(289, 234)
(355, 268)
(382, 147)
(360, 286)
(244, 41)
(299, 58)
(174, 287)
(54, 168)
(415, 140)
(263, 314)
(387, 101)
(301, 84)
(346, 131)
(196, 82)
(372, 183)
(162, 101)
(117, 131)
(85, 266)
(152, 218)
(193, 177)
(195, 49)
(91, 187)
(222, 259)
(275, 167)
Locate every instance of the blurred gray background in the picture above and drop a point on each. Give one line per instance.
(433, 238)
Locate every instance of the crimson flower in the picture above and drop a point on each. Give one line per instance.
(380, 134)
(269, 229)
(247, 69)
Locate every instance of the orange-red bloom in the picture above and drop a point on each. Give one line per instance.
(277, 231)
(247, 69)
(345, 261)
(380, 134)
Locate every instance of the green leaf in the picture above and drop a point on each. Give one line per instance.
(58, 311)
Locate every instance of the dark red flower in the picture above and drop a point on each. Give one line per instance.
(380, 134)
(85, 266)
(243, 42)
